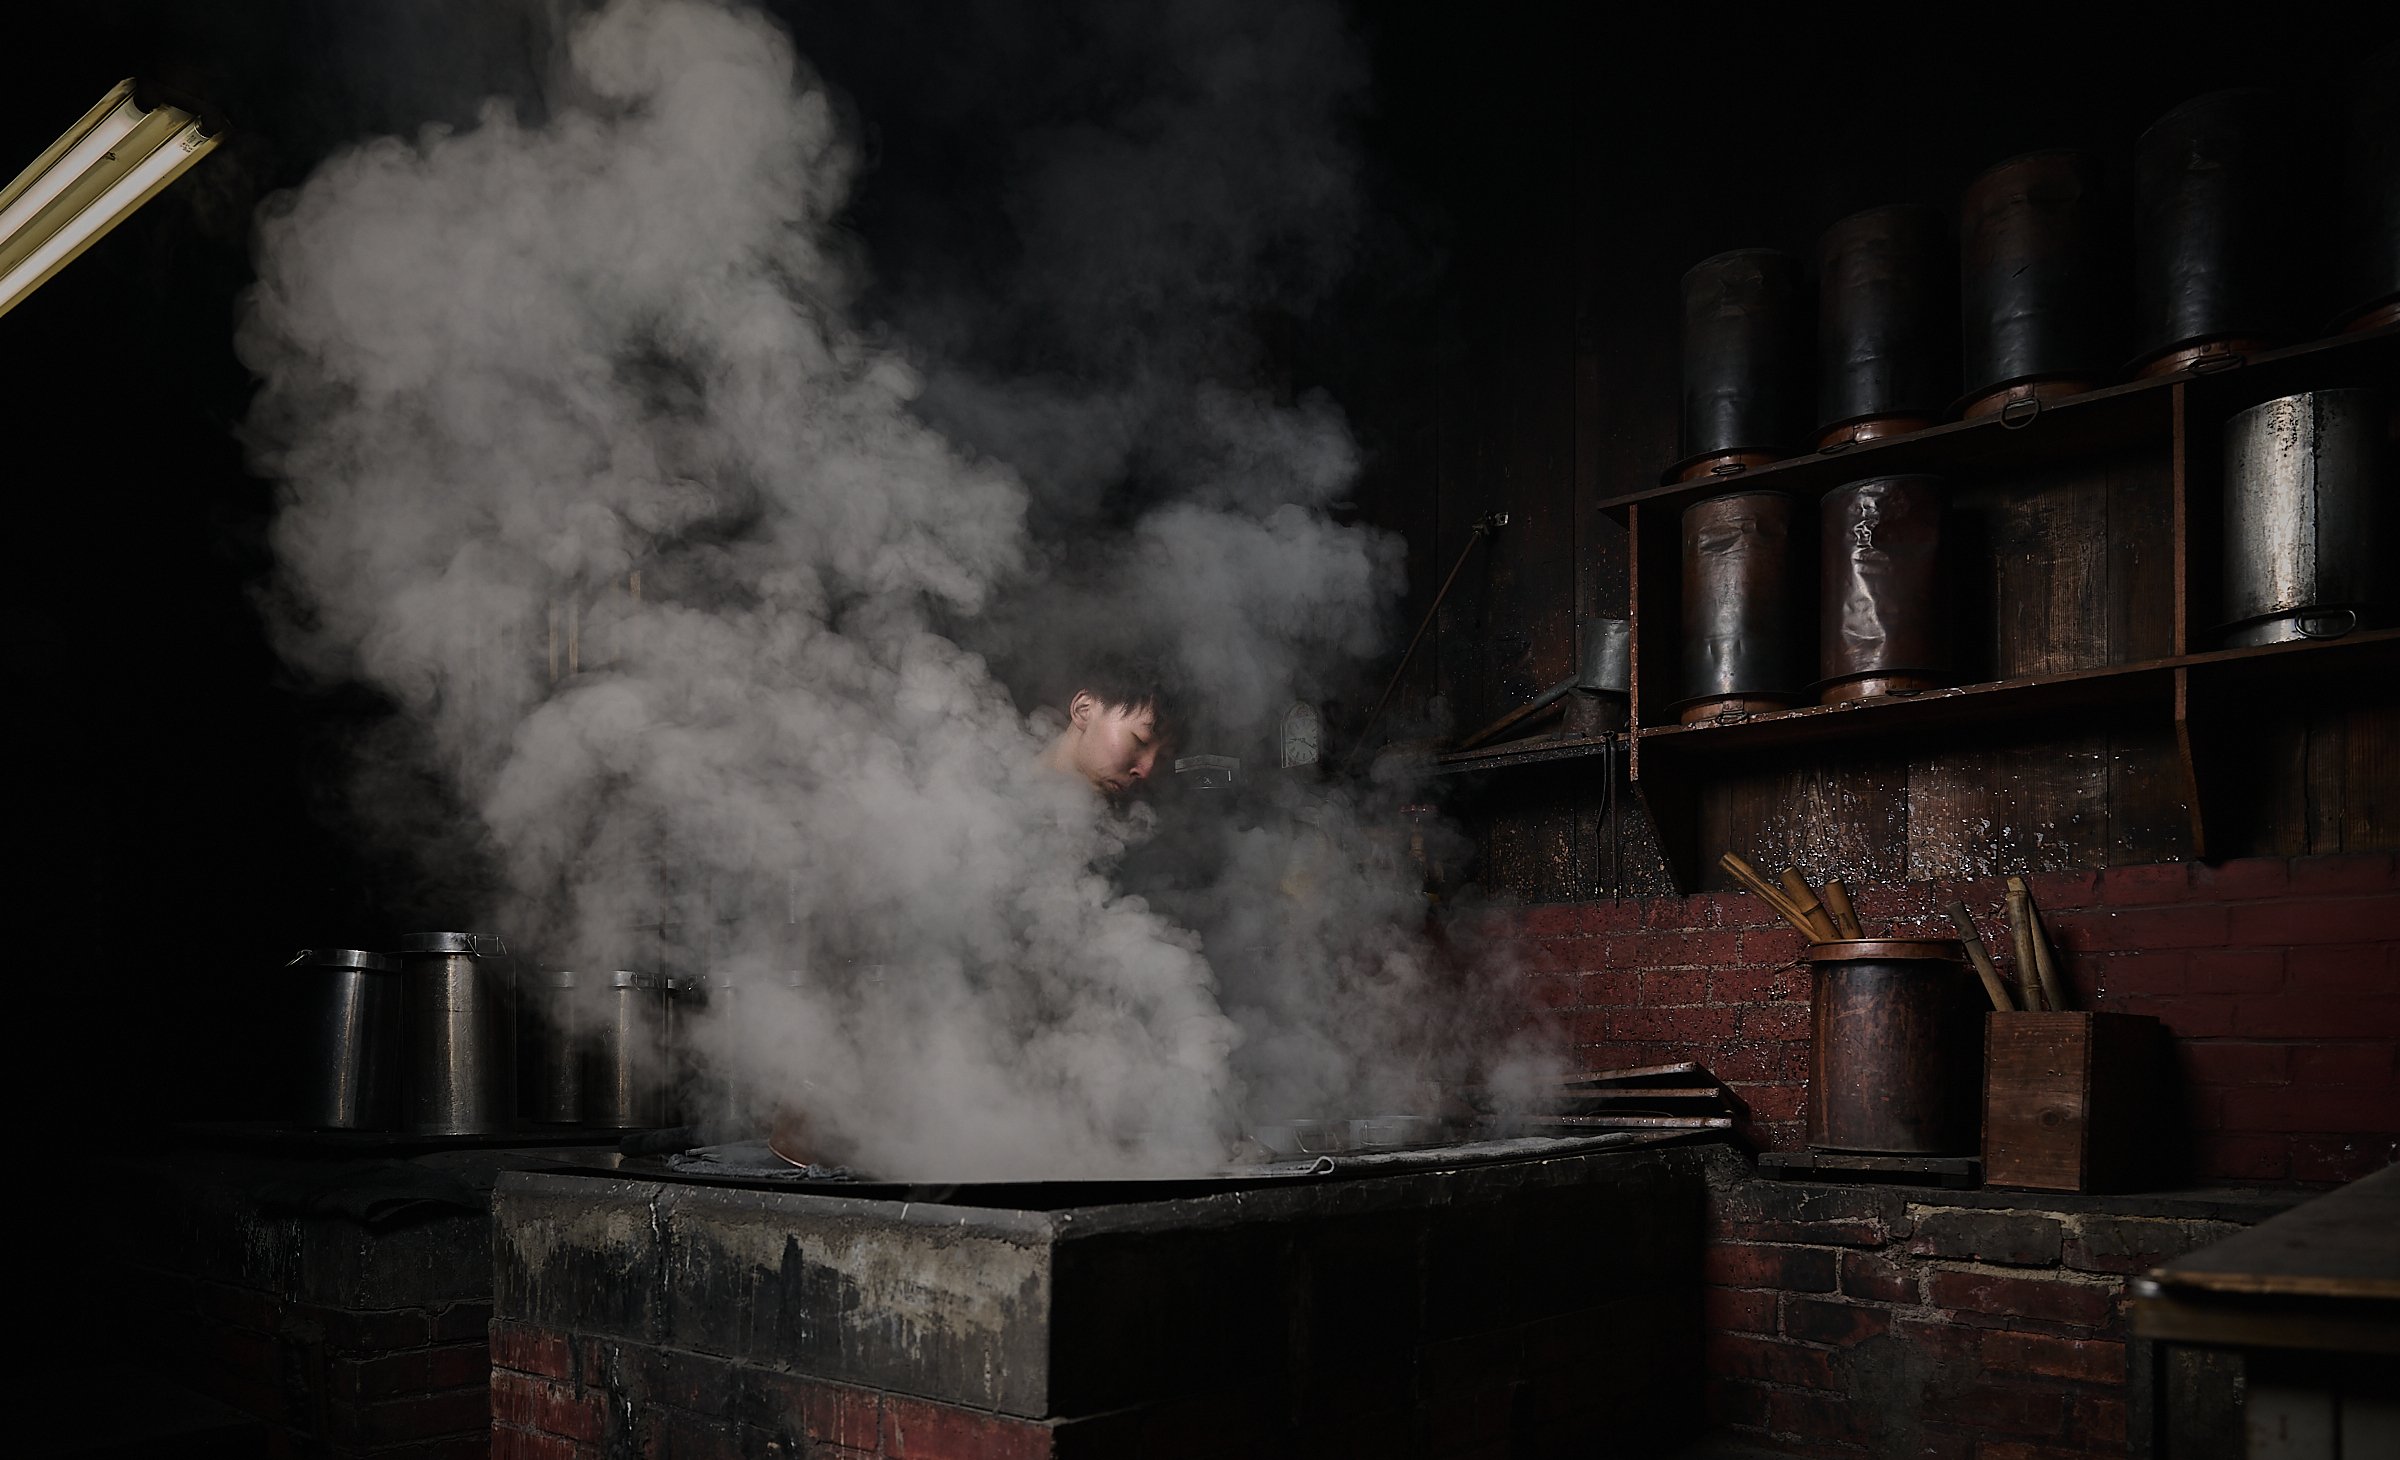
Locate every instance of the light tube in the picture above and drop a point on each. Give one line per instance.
(110, 163)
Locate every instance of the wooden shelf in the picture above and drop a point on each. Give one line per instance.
(2148, 688)
(2112, 418)
(1533, 750)
(2084, 584)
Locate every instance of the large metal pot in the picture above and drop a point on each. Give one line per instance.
(2370, 267)
(2036, 306)
(1745, 617)
(625, 1070)
(1896, 1051)
(349, 1016)
(1746, 341)
(1880, 625)
(1887, 324)
(2308, 517)
(459, 1011)
(2219, 189)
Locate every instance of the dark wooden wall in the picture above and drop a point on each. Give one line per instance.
(1580, 179)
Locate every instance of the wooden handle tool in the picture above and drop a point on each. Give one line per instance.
(1804, 897)
(2020, 933)
(2045, 959)
(1767, 892)
(1845, 917)
(1981, 957)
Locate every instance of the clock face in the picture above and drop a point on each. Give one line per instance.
(1301, 732)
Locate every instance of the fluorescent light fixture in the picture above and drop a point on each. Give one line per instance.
(107, 165)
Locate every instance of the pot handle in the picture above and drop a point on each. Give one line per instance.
(301, 957)
(2011, 419)
(2349, 617)
(487, 945)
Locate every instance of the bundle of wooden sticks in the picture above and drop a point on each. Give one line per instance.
(1831, 919)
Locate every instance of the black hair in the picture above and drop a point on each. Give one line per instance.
(1130, 683)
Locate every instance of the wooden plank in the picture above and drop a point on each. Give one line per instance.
(1674, 1069)
(2048, 574)
(1638, 1122)
(2370, 812)
(2344, 1244)
(2149, 796)
(2141, 558)
(2020, 806)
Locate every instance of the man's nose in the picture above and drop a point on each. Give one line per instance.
(1141, 767)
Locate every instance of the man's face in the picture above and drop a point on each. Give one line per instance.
(1112, 747)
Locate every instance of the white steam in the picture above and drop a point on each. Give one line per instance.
(590, 463)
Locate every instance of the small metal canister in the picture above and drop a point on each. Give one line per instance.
(625, 1070)
(1880, 621)
(2308, 517)
(349, 1004)
(1603, 677)
(459, 1011)
(1745, 621)
(553, 1048)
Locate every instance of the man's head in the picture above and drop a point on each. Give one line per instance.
(1118, 729)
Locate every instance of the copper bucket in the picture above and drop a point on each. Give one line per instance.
(1895, 1061)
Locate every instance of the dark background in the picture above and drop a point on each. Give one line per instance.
(1539, 179)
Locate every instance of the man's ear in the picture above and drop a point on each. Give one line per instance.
(1082, 708)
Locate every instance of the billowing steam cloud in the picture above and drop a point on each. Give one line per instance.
(592, 465)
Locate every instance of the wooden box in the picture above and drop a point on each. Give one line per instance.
(2070, 1100)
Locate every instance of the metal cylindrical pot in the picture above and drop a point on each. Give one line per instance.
(2370, 265)
(553, 1048)
(2035, 302)
(2308, 517)
(1745, 636)
(2218, 193)
(349, 1022)
(1746, 339)
(1880, 622)
(1895, 1058)
(459, 1012)
(1887, 323)
(625, 1070)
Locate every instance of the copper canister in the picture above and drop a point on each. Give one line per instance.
(1887, 324)
(1747, 329)
(1896, 1048)
(1880, 623)
(2220, 186)
(2037, 296)
(1745, 615)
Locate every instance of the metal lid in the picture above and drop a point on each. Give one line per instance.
(625, 978)
(1886, 950)
(345, 958)
(474, 945)
(557, 978)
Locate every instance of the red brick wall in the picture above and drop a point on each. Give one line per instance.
(333, 1382)
(2279, 980)
(1876, 1322)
